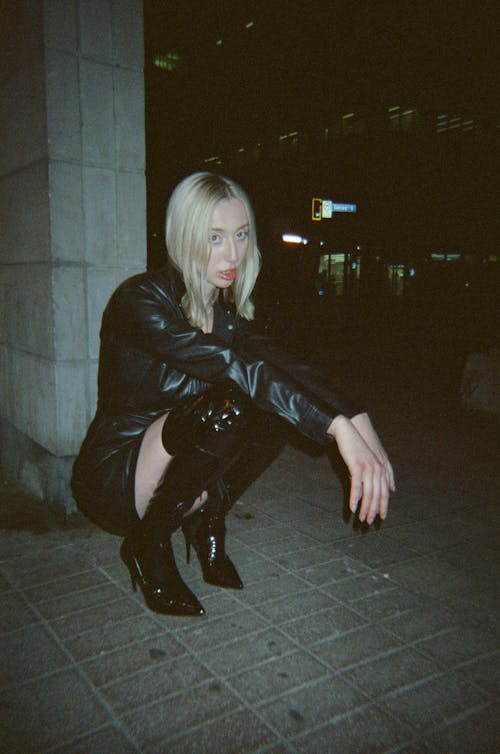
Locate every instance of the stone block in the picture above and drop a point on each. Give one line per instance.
(6, 390)
(22, 116)
(60, 25)
(28, 322)
(128, 39)
(95, 29)
(98, 139)
(131, 218)
(66, 211)
(129, 118)
(24, 231)
(99, 203)
(33, 386)
(70, 322)
(63, 106)
(71, 408)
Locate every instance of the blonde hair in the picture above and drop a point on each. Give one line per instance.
(188, 220)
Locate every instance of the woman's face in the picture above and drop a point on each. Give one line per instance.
(227, 243)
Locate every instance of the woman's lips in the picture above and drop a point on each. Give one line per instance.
(228, 274)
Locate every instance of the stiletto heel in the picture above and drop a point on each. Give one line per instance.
(164, 591)
(206, 532)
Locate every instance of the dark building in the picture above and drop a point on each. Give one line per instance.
(393, 111)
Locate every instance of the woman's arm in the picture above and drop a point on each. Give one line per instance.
(372, 476)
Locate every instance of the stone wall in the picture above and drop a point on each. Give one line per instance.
(73, 218)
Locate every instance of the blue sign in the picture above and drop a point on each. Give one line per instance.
(338, 207)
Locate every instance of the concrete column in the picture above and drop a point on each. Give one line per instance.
(72, 218)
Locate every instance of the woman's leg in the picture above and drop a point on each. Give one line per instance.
(152, 465)
(183, 454)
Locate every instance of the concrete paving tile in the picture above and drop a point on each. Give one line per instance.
(66, 585)
(234, 734)
(152, 726)
(107, 740)
(109, 666)
(367, 730)
(258, 537)
(271, 588)
(436, 578)
(355, 646)
(295, 605)
(293, 540)
(101, 549)
(105, 616)
(484, 673)
(378, 551)
(46, 565)
(204, 634)
(273, 678)
(334, 570)
(314, 705)
(349, 590)
(475, 553)
(323, 624)
(424, 620)
(392, 602)
(247, 652)
(27, 653)
(419, 505)
(243, 524)
(434, 702)
(100, 640)
(480, 610)
(15, 612)
(48, 711)
(424, 539)
(157, 679)
(257, 570)
(476, 731)
(307, 557)
(79, 600)
(458, 645)
(217, 602)
(315, 532)
(384, 674)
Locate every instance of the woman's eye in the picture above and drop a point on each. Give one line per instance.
(214, 238)
(242, 235)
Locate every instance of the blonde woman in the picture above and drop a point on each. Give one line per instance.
(182, 377)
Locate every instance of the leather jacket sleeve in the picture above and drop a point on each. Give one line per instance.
(151, 320)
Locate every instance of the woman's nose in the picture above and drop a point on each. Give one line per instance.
(231, 251)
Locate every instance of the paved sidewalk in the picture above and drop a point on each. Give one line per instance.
(343, 639)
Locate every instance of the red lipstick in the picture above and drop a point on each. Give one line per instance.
(228, 274)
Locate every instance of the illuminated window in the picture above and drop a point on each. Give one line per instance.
(169, 61)
(446, 122)
(402, 119)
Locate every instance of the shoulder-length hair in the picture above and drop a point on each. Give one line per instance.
(187, 227)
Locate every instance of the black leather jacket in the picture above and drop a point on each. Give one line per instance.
(151, 357)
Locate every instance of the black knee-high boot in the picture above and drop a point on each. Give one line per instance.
(206, 532)
(206, 435)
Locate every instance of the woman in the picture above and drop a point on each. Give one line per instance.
(181, 379)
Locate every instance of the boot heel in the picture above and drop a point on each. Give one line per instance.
(130, 565)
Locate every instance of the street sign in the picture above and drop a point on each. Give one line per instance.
(323, 209)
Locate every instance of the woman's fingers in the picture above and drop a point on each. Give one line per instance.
(370, 493)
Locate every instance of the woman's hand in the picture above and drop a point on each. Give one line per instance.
(372, 476)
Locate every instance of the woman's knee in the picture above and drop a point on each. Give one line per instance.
(213, 420)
